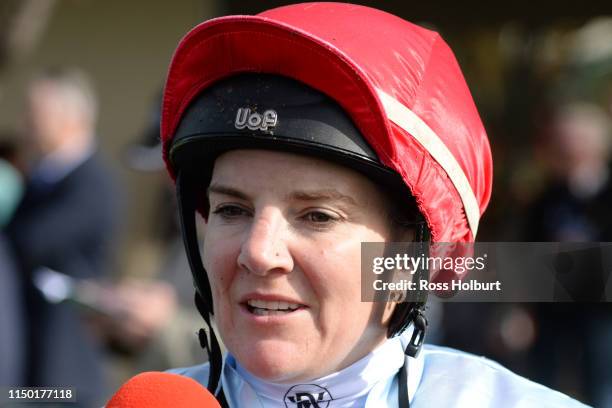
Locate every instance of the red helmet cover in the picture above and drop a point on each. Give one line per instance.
(399, 82)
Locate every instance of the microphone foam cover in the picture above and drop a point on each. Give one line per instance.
(156, 390)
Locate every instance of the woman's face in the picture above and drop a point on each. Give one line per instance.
(282, 251)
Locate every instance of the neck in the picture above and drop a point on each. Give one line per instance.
(348, 387)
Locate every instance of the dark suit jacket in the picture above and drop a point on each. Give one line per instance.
(67, 226)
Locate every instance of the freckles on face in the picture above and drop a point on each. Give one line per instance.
(218, 251)
(282, 251)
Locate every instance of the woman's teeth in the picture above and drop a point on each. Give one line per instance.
(265, 308)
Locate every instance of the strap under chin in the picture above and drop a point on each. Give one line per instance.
(418, 334)
(213, 349)
(187, 195)
(403, 399)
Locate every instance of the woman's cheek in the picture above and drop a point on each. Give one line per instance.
(219, 247)
(221, 271)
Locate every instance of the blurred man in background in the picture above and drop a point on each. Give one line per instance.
(65, 222)
(575, 207)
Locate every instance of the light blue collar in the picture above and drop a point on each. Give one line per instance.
(366, 383)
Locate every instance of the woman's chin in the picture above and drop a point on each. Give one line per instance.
(274, 360)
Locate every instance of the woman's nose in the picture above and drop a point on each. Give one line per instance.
(264, 249)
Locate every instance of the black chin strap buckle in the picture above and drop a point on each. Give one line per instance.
(418, 334)
(203, 340)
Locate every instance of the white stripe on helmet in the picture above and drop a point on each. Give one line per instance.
(402, 116)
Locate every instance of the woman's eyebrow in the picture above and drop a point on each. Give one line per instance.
(327, 194)
(301, 195)
(228, 191)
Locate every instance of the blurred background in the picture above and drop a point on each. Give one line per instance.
(83, 192)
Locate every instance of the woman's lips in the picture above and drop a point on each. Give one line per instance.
(274, 305)
(271, 307)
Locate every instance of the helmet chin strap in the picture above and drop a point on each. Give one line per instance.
(413, 313)
(407, 313)
(187, 194)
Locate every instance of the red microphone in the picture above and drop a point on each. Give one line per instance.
(160, 390)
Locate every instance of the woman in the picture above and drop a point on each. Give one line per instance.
(298, 134)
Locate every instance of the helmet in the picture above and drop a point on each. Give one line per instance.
(389, 101)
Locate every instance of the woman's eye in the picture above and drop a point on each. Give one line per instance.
(230, 211)
(319, 217)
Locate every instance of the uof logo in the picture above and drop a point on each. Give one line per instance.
(307, 396)
(254, 120)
